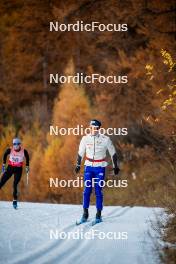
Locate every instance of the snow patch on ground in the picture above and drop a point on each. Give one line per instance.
(25, 235)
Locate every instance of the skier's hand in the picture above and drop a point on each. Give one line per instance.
(3, 168)
(27, 169)
(77, 169)
(116, 171)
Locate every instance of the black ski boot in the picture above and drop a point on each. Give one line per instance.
(15, 204)
(85, 214)
(84, 217)
(98, 218)
(98, 214)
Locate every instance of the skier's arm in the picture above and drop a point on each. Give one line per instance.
(114, 157)
(6, 153)
(79, 159)
(81, 152)
(26, 154)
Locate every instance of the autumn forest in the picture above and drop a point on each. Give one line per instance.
(145, 105)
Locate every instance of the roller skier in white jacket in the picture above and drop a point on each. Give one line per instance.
(95, 146)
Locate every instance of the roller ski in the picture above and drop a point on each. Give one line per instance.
(81, 221)
(96, 221)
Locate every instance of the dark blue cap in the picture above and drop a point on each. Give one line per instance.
(95, 123)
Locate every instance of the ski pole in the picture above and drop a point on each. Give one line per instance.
(27, 175)
(27, 178)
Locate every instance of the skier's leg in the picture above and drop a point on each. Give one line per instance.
(17, 178)
(99, 177)
(86, 194)
(87, 189)
(6, 176)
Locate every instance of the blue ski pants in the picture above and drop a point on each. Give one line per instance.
(93, 177)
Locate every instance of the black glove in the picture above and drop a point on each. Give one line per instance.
(77, 169)
(78, 164)
(116, 171)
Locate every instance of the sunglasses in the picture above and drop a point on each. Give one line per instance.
(16, 144)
